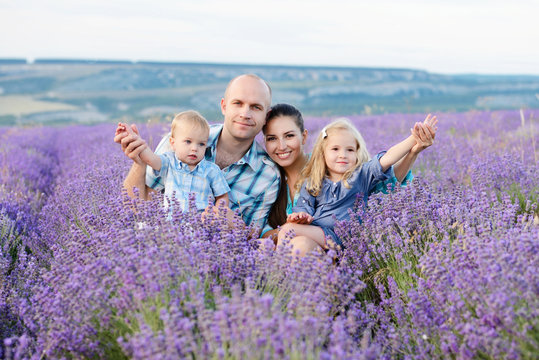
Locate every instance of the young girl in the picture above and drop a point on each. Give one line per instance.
(339, 168)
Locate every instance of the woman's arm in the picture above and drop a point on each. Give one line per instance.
(424, 135)
(404, 165)
(421, 138)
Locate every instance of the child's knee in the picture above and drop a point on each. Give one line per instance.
(302, 245)
(304, 242)
(286, 230)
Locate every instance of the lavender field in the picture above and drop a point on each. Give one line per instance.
(447, 267)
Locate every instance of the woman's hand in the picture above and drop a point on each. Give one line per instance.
(300, 218)
(424, 134)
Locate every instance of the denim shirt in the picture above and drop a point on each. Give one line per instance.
(334, 199)
(382, 187)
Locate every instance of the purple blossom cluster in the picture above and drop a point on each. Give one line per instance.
(446, 267)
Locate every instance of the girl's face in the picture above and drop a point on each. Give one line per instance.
(340, 153)
(284, 140)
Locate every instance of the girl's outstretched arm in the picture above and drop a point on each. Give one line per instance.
(397, 152)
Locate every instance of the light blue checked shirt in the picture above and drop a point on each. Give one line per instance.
(253, 180)
(206, 180)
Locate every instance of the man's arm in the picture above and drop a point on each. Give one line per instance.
(132, 146)
(260, 215)
(146, 155)
(136, 178)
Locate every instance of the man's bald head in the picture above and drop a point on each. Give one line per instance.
(252, 76)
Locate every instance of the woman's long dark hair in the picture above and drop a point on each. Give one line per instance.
(277, 214)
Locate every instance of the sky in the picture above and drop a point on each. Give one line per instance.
(449, 37)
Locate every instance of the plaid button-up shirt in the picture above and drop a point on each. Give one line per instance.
(206, 180)
(253, 180)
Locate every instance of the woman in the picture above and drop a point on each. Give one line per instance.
(285, 137)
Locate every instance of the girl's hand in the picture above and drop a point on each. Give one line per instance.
(300, 218)
(424, 134)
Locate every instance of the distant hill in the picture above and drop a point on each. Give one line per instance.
(56, 91)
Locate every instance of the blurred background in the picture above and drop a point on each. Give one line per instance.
(86, 62)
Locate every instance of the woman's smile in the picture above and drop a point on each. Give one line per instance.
(284, 155)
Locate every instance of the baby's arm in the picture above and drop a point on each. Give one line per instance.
(397, 152)
(147, 156)
(220, 199)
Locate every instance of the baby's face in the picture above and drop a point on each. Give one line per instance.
(189, 144)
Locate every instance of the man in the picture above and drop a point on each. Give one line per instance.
(253, 178)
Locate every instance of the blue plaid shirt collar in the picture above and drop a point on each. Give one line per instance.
(201, 166)
(251, 157)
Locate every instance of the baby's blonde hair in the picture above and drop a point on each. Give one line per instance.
(316, 168)
(190, 117)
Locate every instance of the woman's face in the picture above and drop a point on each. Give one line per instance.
(284, 140)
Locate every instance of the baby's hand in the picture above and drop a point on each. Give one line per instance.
(123, 131)
(300, 218)
(120, 129)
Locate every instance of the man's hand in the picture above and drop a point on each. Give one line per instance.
(132, 143)
(300, 218)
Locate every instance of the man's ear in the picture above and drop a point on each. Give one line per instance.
(223, 106)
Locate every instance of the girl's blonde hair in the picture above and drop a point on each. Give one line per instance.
(316, 168)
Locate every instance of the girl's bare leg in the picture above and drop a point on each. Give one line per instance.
(307, 238)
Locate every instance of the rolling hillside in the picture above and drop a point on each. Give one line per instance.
(56, 91)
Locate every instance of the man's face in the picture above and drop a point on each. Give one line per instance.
(245, 106)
